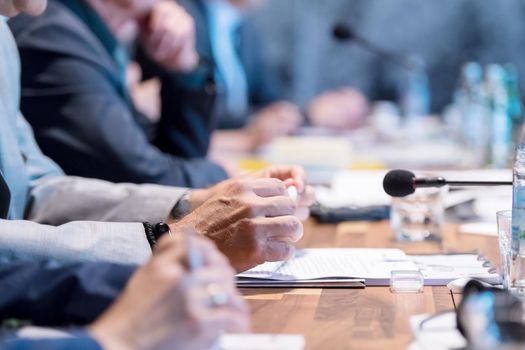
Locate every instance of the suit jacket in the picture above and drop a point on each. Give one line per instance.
(73, 209)
(74, 97)
(78, 342)
(48, 294)
(263, 86)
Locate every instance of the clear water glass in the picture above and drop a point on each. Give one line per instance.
(419, 216)
(504, 218)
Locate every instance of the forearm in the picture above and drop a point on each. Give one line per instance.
(58, 200)
(74, 242)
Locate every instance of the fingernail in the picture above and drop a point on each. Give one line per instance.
(292, 192)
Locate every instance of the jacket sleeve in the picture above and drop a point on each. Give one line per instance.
(83, 122)
(75, 241)
(79, 342)
(184, 128)
(56, 199)
(47, 294)
(61, 199)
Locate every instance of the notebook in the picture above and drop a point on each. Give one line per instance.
(339, 267)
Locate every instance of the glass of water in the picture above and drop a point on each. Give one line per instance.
(504, 218)
(419, 216)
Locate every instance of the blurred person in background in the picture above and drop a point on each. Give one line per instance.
(251, 108)
(300, 47)
(75, 93)
(47, 215)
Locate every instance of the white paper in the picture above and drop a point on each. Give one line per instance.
(365, 188)
(354, 188)
(441, 269)
(261, 342)
(373, 265)
(369, 264)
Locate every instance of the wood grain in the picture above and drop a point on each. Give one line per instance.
(371, 318)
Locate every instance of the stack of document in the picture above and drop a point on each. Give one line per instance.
(325, 268)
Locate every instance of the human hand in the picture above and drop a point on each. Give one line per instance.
(345, 108)
(278, 119)
(165, 305)
(168, 36)
(251, 220)
(291, 176)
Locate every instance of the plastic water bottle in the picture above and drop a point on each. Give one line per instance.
(518, 220)
(415, 94)
(471, 102)
(500, 121)
(515, 106)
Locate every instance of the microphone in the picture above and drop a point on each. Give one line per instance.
(401, 183)
(342, 32)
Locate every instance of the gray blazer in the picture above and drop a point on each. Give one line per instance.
(69, 216)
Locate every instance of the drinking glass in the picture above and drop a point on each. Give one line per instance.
(419, 216)
(504, 218)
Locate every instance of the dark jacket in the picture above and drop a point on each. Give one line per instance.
(74, 96)
(263, 86)
(79, 341)
(47, 294)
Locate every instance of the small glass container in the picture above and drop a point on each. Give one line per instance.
(406, 281)
(419, 216)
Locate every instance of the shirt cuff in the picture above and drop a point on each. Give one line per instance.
(182, 207)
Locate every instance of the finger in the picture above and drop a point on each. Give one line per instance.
(284, 228)
(199, 298)
(292, 175)
(302, 213)
(170, 248)
(211, 255)
(221, 275)
(277, 206)
(169, 49)
(278, 251)
(307, 198)
(267, 187)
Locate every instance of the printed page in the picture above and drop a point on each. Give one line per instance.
(334, 263)
(440, 269)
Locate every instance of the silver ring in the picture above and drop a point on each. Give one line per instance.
(218, 297)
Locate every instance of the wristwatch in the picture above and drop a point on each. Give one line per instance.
(155, 232)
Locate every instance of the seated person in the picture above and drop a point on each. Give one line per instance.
(251, 109)
(162, 305)
(251, 219)
(74, 60)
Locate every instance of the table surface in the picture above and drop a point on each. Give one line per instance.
(370, 318)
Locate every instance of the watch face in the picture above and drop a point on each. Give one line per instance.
(162, 228)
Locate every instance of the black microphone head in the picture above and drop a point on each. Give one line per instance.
(343, 32)
(399, 183)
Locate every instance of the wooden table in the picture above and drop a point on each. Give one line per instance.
(371, 318)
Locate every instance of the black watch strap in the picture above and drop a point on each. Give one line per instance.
(155, 232)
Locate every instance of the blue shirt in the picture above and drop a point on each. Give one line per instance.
(22, 163)
(224, 23)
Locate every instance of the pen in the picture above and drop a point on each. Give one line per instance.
(195, 259)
